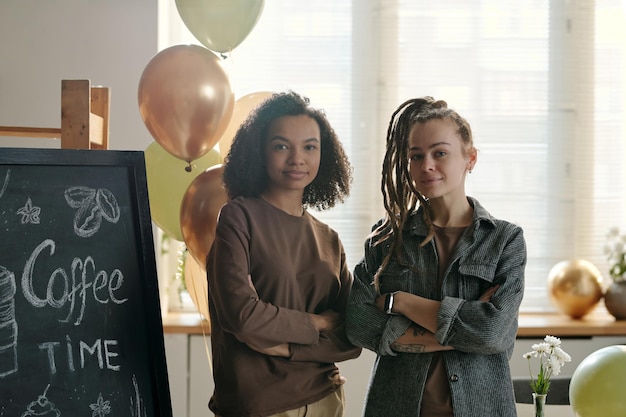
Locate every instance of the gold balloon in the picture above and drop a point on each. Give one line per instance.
(185, 100)
(199, 211)
(575, 287)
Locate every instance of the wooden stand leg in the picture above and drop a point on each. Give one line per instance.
(75, 111)
(100, 107)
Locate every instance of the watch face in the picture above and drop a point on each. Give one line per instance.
(388, 303)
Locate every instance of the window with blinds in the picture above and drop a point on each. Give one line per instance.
(543, 85)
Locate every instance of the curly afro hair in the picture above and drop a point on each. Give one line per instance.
(245, 172)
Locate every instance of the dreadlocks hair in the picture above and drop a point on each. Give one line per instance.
(245, 171)
(400, 197)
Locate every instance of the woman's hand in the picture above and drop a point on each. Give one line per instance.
(281, 350)
(380, 302)
(326, 321)
(337, 379)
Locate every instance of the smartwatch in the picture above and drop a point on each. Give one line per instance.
(389, 303)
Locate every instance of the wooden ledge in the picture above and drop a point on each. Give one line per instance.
(189, 323)
(596, 323)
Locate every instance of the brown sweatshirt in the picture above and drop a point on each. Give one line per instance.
(266, 271)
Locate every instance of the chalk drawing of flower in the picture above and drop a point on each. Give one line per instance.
(101, 408)
(30, 213)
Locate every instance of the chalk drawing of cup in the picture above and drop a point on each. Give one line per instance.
(8, 325)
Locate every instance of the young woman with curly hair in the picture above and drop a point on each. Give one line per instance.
(437, 294)
(278, 279)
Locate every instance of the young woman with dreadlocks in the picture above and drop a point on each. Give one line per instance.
(437, 294)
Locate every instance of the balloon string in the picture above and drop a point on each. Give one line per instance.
(206, 346)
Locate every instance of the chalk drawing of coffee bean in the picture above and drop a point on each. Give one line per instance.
(93, 205)
(79, 196)
(108, 204)
(87, 219)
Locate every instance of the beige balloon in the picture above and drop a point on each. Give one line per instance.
(197, 286)
(243, 107)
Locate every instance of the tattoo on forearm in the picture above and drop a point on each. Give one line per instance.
(408, 348)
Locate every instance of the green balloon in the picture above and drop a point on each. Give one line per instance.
(168, 180)
(597, 385)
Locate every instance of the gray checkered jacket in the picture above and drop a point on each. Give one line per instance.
(490, 252)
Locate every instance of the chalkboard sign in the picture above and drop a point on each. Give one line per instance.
(80, 322)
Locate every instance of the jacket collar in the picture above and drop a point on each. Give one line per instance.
(418, 227)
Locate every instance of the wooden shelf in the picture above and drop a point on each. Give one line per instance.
(189, 323)
(596, 323)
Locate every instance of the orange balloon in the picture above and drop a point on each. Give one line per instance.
(197, 286)
(185, 100)
(199, 210)
(243, 107)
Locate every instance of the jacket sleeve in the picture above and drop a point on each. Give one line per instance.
(488, 327)
(333, 346)
(235, 302)
(366, 325)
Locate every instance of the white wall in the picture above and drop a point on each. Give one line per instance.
(45, 41)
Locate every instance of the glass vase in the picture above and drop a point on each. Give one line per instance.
(539, 404)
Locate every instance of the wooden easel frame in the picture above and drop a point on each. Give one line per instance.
(84, 118)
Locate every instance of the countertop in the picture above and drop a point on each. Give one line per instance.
(596, 323)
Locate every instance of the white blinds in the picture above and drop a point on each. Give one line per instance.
(543, 85)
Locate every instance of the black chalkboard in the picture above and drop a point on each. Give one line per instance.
(80, 322)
